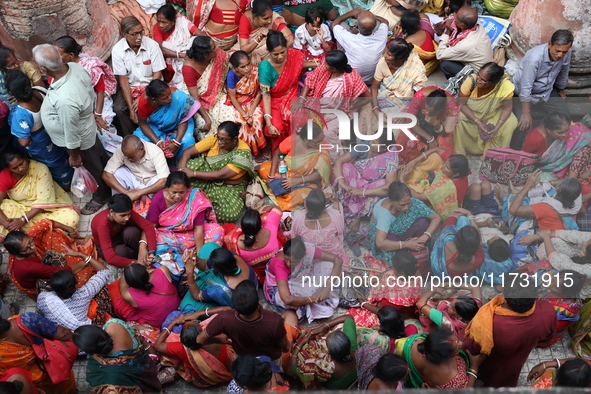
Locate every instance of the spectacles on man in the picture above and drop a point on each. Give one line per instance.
(137, 34)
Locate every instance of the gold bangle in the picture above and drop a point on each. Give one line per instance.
(192, 284)
(544, 365)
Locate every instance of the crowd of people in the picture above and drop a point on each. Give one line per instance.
(225, 183)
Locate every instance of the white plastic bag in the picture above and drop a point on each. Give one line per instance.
(83, 182)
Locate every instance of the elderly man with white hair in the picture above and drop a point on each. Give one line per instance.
(68, 116)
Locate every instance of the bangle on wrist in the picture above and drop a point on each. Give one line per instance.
(428, 234)
(400, 244)
(206, 314)
(97, 114)
(176, 142)
(363, 193)
(268, 116)
(25, 218)
(87, 260)
(363, 303)
(159, 142)
(425, 155)
(376, 107)
(544, 365)
(428, 142)
(166, 329)
(143, 241)
(558, 363)
(473, 374)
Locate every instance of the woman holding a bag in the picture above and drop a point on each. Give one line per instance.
(17, 337)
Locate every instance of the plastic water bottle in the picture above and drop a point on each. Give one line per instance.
(282, 166)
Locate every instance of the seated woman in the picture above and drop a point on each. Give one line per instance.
(321, 226)
(362, 178)
(437, 115)
(219, 272)
(377, 370)
(255, 25)
(222, 171)
(308, 168)
(439, 179)
(201, 365)
(25, 125)
(260, 373)
(123, 236)
(400, 222)
(244, 93)
(555, 127)
(454, 313)
(415, 28)
(279, 76)
(458, 250)
(436, 360)
(183, 216)
(166, 118)
(69, 307)
(28, 194)
(174, 33)
(313, 37)
(390, 327)
(18, 380)
(334, 84)
(9, 62)
(141, 291)
(101, 76)
(219, 19)
(258, 238)
(400, 73)
(325, 361)
(117, 361)
(17, 335)
(486, 104)
(286, 288)
(204, 71)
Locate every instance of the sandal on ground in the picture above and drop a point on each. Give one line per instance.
(91, 207)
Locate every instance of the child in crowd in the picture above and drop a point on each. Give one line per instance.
(313, 37)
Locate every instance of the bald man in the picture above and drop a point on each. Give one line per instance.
(137, 168)
(469, 44)
(363, 49)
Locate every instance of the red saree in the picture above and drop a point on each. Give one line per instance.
(353, 85)
(216, 79)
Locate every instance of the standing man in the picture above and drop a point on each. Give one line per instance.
(68, 116)
(540, 82)
(137, 60)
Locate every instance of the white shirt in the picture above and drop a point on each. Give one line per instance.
(303, 39)
(139, 66)
(363, 52)
(153, 163)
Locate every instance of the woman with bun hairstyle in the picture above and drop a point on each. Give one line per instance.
(117, 361)
(147, 296)
(256, 374)
(334, 78)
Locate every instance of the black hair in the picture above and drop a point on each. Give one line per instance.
(303, 132)
(232, 128)
(200, 48)
(339, 346)
(338, 60)
(404, 262)
(249, 372)
(251, 225)
(4, 52)
(555, 120)
(466, 307)
(391, 368)
(156, 88)
(11, 154)
(467, 243)
(14, 387)
(562, 37)
(14, 241)
(4, 325)
(237, 57)
(93, 340)
(224, 262)
(69, 45)
(245, 298)
(499, 250)
(314, 15)
(455, 5)
(189, 334)
(459, 165)
(275, 39)
(295, 248)
(120, 203)
(399, 48)
(586, 259)
(391, 322)
(436, 347)
(574, 373)
(177, 178)
(568, 191)
(410, 22)
(260, 7)
(571, 283)
(137, 276)
(63, 282)
(167, 11)
(436, 99)
(315, 204)
(493, 72)
(397, 191)
(19, 85)
(520, 296)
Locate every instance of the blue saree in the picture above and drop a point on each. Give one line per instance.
(165, 121)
